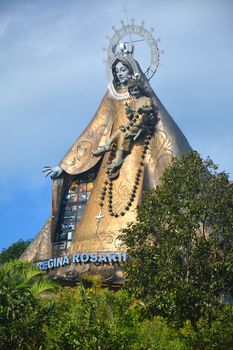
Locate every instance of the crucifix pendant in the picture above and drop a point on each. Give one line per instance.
(99, 217)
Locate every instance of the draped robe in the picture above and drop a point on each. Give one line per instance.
(167, 142)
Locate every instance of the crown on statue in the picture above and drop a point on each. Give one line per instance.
(122, 44)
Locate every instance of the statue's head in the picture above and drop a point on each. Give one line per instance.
(135, 90)
(121, 72)
(135, 86)
(121, 64)
(123, 68)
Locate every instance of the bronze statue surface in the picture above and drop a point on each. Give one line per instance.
(130, 141)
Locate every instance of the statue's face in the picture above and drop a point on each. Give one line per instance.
(122, 73)
(135, 91)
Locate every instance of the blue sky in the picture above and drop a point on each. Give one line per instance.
(53, 79)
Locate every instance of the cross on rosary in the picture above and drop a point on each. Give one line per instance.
(99, 217)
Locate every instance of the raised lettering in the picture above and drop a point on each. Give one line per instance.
(102, 257)
(75, 258)
(50, 264)
(65, 260)
(84, 257)
(112, 257)
(59, 262)
(93, 257)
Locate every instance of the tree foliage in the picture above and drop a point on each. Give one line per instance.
(21, 316)
(214, 335)
(14, 251)
(179, 271)
(94, 318)
(73, 318)
(180, 247)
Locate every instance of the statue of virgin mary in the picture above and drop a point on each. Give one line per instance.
(100, 182)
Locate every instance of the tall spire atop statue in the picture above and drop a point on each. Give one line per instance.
(127, 21)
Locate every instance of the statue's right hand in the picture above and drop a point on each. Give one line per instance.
(54, 172)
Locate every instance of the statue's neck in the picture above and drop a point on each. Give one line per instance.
(122, 89)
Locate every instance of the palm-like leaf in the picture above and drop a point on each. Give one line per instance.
(18, 275)
(42, 286)
(29, 276)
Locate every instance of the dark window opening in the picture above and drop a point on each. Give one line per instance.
(72, 208)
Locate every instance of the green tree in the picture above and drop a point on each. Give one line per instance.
(91, 318)
(74, 318)
(14, 251)
(217, 335)
(21, 305)
(97, 318)
(180, 247)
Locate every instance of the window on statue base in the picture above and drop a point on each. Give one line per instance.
(72, 209)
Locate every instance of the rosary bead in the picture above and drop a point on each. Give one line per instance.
(122, 213)
(141, 163)
(126, 207)
(116, 215)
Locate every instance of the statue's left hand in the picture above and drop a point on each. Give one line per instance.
(54, 172)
